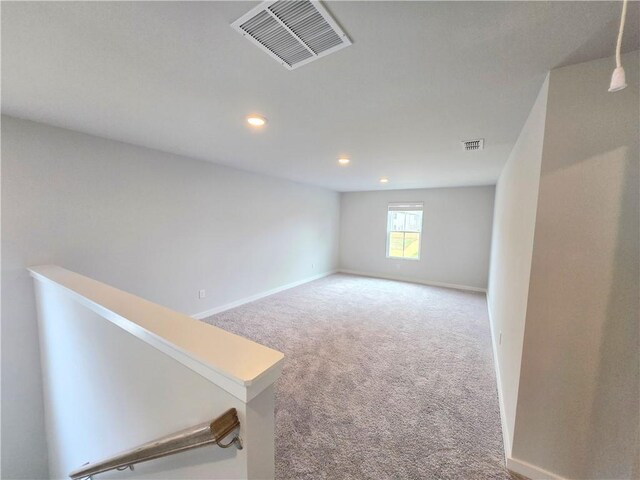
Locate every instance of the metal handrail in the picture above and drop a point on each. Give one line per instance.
(193, 437)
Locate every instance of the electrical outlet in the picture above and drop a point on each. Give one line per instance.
(202, 293)
(500, 340)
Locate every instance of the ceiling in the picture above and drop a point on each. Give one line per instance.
(419, 78)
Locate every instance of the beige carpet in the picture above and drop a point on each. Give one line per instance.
(382, 380)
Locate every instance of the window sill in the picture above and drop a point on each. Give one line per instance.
(403, 258)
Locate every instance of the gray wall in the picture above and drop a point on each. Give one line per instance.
(578, 399)
(511, 250)
(154, 224)
(456, 235)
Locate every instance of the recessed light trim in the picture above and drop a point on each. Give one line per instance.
(344, 161)
(384, 180)
(256, 120)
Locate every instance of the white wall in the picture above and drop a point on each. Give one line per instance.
(120, 371)
(511, 250)
(577, 412)
(456, 235)
(154, 224)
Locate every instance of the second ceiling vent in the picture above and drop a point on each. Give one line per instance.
(473, 145)
(294, 32)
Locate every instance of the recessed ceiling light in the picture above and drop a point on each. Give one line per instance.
(256, 120)
(344, 161)
(384, 180)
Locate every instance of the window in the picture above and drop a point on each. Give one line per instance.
(404, 229)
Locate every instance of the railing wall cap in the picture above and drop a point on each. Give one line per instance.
(238, 365)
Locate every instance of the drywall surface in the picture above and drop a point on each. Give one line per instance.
(577, 413)
(104, 397)
(511, 250)
(456, 238)
(154, 224)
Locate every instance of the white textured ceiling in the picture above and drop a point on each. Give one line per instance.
(419, 77)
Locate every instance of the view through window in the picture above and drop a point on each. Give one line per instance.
(404, 229)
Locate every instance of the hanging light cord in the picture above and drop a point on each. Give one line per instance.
(619, 44)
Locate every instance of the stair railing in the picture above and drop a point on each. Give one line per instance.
(194, 437)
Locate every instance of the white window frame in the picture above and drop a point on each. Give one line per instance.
(410, 207)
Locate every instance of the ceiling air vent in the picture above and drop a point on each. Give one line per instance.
(469, 145)
(294, 32)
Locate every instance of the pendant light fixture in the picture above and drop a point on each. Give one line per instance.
(618, 81)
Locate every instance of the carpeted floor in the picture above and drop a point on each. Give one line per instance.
(382, 380)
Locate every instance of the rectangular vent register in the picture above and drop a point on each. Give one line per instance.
(471, 145)
(294, 32)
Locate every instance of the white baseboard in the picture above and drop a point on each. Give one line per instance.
(413, 280)
(513, 464)
(258, 296)
(506, 437)
(531, 471)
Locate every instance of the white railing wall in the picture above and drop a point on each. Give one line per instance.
(120, 371)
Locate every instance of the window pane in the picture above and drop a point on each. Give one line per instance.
(411, 245)
(396, 221)
(396, 244)
(404, 227)
(413, 222)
